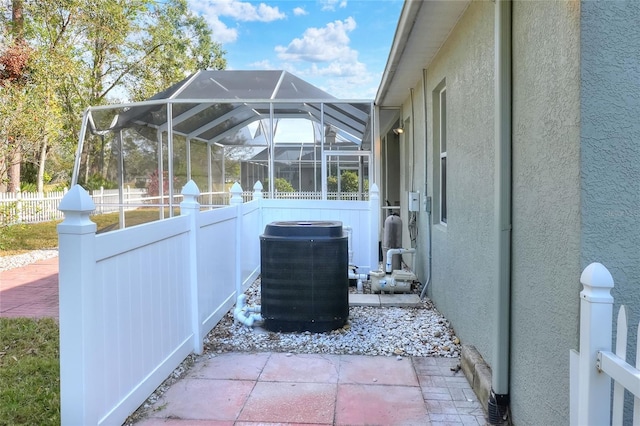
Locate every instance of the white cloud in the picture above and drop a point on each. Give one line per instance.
(299, 11)
(241, 11)
(331, 4)
(323, 57)
(345, 80)
(263, 65)
(221, 33)
(321, 44)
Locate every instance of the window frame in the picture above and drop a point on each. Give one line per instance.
(442, 142)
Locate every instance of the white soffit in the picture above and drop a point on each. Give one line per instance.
(422, 29)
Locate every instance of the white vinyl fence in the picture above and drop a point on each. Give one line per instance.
(30, 207)
(594, 368)
(136, 302)
(34, 207)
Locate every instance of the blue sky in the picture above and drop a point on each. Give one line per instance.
(340, 46)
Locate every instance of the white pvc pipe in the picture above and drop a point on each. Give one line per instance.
(360, 278)
(241, 310)
(349, 232)
(391, 252)
(354, 276)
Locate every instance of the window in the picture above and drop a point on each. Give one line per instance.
(442, 132)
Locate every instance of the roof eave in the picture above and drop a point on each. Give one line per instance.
(422, 29)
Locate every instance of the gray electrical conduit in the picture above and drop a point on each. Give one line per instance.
(423, 293)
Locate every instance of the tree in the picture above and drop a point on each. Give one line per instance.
(86, 53)
(142, 47)
(13, 75)
(180, 43)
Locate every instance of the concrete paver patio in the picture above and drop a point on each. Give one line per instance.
(30, 291)
(277, 388)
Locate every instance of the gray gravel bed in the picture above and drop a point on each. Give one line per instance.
(390, 331)
(20, 260)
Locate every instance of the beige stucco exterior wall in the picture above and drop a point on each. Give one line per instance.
(546, 207)
(575, 166)
(462, 276)
(462, 257)
(546, 187)
(610, 150)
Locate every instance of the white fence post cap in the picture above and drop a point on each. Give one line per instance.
(596, 275)
(236, 188)
(597, 282)
(257, 190)
(77, 199)
(236, 194)
(191, 188)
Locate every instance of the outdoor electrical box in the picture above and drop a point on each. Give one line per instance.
(414, 201)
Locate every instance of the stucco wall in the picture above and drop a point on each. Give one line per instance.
(610, 147)
(463, 255)
(546, 203)
(576, 182)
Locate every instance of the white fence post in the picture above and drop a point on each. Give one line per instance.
(101, 199)
(374, 225)
(19, 206)
(257, 191)
(258, 195)
(596, 308)
(190, 206)
(76, 239)
(236, 200)
(236, 194)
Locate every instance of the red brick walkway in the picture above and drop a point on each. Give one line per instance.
(30, 291)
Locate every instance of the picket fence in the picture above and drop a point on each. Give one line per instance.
(136, 302)
(594, 367)
(35, 207)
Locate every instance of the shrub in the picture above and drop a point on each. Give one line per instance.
(348, 182)
(28, 187)
(283, 185)
(97, 182)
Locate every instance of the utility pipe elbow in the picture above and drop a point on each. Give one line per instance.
(391, 252)
(354, 276)
(241, 310)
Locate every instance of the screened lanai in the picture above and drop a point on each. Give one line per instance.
(221, 127)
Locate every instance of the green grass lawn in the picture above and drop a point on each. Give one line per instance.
(17, 239)
(29, 372)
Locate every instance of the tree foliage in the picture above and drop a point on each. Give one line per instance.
(349, 182)
(283, 185)
(78, 53)
(14, 74)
